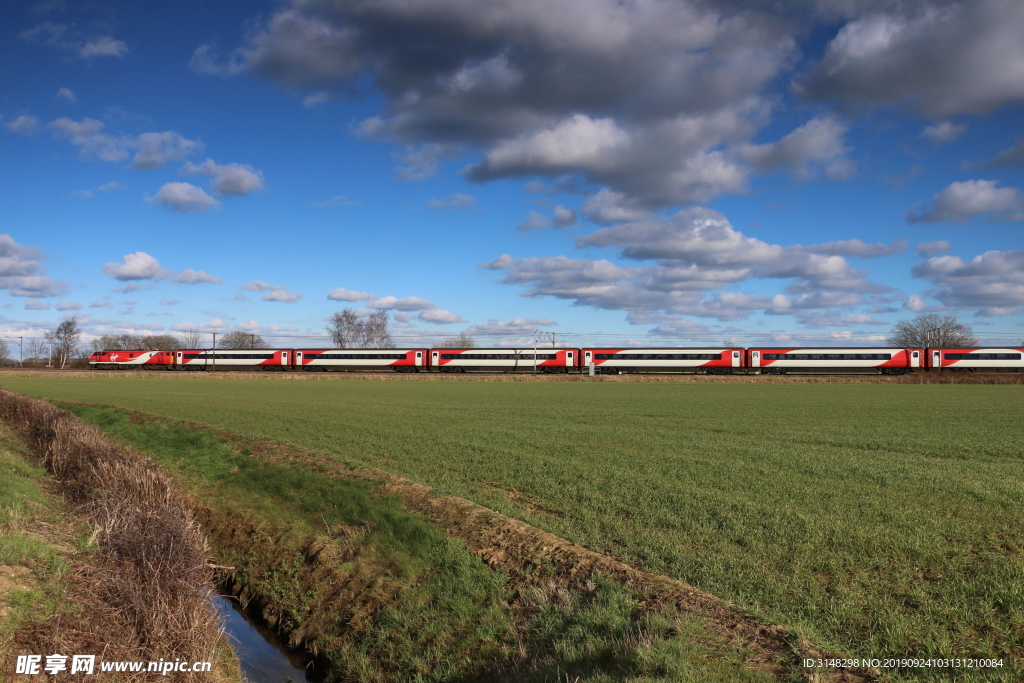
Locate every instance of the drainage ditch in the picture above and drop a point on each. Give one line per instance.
(262, 656)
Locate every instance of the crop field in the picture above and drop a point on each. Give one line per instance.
(876, 520)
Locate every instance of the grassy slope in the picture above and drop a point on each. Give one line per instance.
(880, 520)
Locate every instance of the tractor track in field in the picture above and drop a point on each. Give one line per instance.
(503, 542)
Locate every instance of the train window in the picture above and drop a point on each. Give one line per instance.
(983, 356)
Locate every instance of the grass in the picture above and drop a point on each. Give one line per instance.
(438, 613)
(876, 520)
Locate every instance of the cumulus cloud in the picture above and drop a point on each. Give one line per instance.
(183, 198)
(22, 271)
(66, 95)
(195, 277)
(929, 249)
(561, 217)
(239, 180)
(687, 259)
(943, 131)
(1011, 157)
(440, 317)
(342, 294)
(409, 303)
(535, 220)
(991, 283)
(137, 266)
(954, 58)
(101, 304)
(23, 125)
(517, 326)
(104, 46)
(151, 150)
(813, 149)
(272, 292)
(111, 186)
(962, 201)
(456, 200)
(36, 305)
(67, 38)
(68, 306)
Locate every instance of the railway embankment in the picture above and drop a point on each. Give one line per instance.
(117, 570)
(945, 377)
(381, 579)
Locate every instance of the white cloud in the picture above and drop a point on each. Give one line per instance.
(337, 200)
(23, 125)
(152, 150)
(609, 206)
(342, 294)
(991, 283)
(81, 194)
(36, 305)
(183, 197)
(943, 131)
(961, 201)
(456, 200)
(108, 187)
(169, 302)
(272, 292)
(409, 303)
(440, 317)
(68, 306)
(22, 272)
(194, 277)
(562, 217)
(319, 97)
(137, 266)
(240, 180)
(535, 220)
(929, 249)
(206, 61)
(813, 149)
(517, 326)
(215, 325)
(104, 46)
(67, 95)
(101, 304)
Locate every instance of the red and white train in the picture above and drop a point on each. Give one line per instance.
(759, 360)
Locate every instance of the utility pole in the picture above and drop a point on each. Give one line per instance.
(214, 352)
(21, 352)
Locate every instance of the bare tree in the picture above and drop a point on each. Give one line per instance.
(375, 332)
(65, 341)
(934, 331)
(191, 339)
(241, 340)
(462, 341)
(5, 353)
(345, 329)
(37, 351)
(160, 342)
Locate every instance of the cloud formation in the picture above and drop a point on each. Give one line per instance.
(67, 38)
(342, 294)
(151, 150)
(23, 125)
(22, 271)
(991, 283)
(456, 200)
(272, 292)
(137, 266)
(195, 277)
(961, 201)
(239, 180)
(183, 198)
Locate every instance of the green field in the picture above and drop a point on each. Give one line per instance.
(877, 520)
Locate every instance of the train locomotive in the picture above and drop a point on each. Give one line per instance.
(722, 360)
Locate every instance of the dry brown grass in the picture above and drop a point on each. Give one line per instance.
(147, 593)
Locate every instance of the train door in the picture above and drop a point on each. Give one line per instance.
(284, 358)
(936, 358)
(298, 359)
(179, 359)
(755, 359)
(915, 358)
(419, 359)
(434, 360)
(736, 359)
(568, 359)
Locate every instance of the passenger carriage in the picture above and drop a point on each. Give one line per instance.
(718, 361)
(988, 358)
(504, 360)
(397, 360)
(208, 359)
(887, 361)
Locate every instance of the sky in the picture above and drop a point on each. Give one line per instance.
(625, 172)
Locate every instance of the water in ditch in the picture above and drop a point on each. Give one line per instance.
(264, 659)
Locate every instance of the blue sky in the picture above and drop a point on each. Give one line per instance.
(663, 171)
